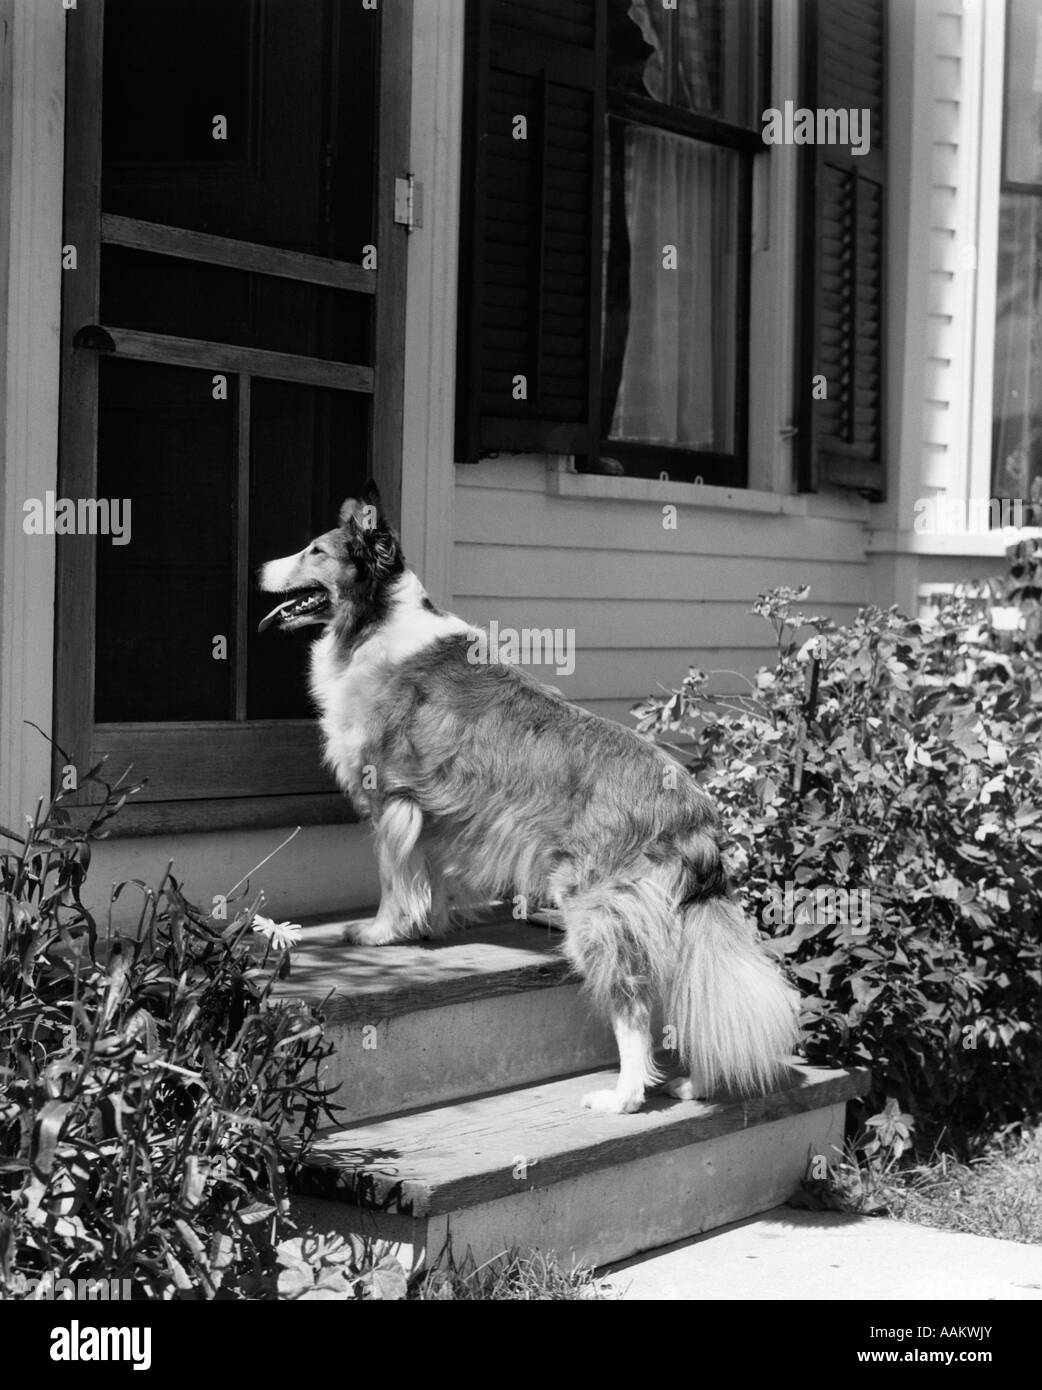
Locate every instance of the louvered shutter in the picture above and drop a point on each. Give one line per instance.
(531, 224)
(842, 434)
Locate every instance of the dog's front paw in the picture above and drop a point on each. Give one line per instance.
(371, 933)
(612, 1103)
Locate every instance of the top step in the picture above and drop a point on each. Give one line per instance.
(357, 984)
(421, 1023)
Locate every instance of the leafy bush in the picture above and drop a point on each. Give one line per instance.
(1022, 587)
(903, 762)
(332, 1268)
(150, 1086)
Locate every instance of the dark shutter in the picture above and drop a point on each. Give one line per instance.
(531, 224)
(843, 271)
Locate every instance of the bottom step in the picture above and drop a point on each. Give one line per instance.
(531, 1170)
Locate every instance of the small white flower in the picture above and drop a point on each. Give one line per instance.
(281, 935)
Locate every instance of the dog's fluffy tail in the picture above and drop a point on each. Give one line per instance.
(734, 1015)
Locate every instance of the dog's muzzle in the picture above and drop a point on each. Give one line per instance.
(299, 605)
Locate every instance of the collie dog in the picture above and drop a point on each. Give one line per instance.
(481, 783)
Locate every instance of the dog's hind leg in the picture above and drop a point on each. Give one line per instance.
(610, 952)
(688, 1088)
(632, 1027)
(405, 891)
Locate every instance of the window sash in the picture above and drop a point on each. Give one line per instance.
(1014, 56)
(680, 463)
(749, 27)
(1011, 441)
(645, 459)
(708, 129)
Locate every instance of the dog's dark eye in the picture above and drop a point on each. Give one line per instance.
(316, 550)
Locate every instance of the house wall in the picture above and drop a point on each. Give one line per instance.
(524, 540)
(538, 547)
(945, 100)
(952, 251)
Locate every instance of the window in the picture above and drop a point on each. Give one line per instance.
(1017, 391)
(231, 354)
(605, 266)
(684, 97)
(604, 293)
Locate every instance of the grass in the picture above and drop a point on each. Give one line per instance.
(998, 1194)
(510, 1278)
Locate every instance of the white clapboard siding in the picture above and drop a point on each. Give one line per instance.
(640, 622)
(944, 203)
(952, 253)
(944, 250)
(486, 515)
(939, 295)
(550, 571)
(935, 468)
(938, 427)
(632, 675)
(641, 604)
(935, 381)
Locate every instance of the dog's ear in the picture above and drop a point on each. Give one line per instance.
(387, 558)
(366, 514)
(371, 497)
(364, 521)
(358, 517)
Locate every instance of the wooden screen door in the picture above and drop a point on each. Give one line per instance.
(232, 362)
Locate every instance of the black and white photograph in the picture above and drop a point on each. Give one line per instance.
(521, 666)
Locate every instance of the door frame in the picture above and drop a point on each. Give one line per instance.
(77, 737)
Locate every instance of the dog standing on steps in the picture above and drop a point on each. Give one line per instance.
(480, 783)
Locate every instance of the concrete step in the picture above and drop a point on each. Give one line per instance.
(428, 1022)
(531, 1169)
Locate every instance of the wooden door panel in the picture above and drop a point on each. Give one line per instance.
(295, 81)
(231, 368)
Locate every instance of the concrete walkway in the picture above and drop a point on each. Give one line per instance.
(786, 1253)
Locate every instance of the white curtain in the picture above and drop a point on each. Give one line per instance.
(678, 363)
(1017, 394)
(683, 68)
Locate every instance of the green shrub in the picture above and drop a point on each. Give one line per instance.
(912, 773)
(333, 1268)
(150, 1087)
(1022, 587)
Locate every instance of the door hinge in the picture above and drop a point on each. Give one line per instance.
(408, 202)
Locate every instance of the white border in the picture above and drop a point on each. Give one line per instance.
(991, 49)
(34, 121)
(428, 437)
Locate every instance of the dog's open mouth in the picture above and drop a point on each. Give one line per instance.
(301, 604)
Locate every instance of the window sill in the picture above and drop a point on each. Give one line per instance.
(564, 483)
(986, 544)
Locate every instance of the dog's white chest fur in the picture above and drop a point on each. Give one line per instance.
(350, 696)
